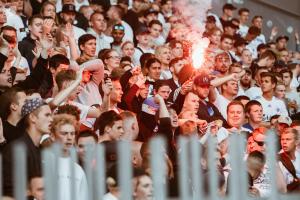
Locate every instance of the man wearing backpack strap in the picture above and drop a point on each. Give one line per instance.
(289, 159)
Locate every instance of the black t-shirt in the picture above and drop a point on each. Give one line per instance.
(11, 132)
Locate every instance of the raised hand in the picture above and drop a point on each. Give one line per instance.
(274, 31)
(141, 79)
(47, 26)
(69, 31)
(4, 45)
(107, 86)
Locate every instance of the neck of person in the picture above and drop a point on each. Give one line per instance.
(116, 43)
(254, 125)
(164, 66)
(228, 96)
(268, 95)
(33, 36)
(35, 135)
(143, 46)
(99, 32)
(292, 154)
(113, 105)
(175, 78)
(225, 17)
(103, 138)
(13, 119)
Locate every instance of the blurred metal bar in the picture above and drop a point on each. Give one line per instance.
(72, 161)
(183, 169)
(1, 178)
(196, 152)
(158, 166)
(271, 161)
(20, 171)
(88, 170)
(125, 170)
(99, 176)
(49, 178)
(212, 168)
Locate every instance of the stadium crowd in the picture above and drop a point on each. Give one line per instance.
(79, 72)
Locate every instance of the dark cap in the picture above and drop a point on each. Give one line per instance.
(202, 80)
(142, 30)
(68, 8)
(150, 11)
(118, 27)
(31, 105)
(229, 6)
(282, 37)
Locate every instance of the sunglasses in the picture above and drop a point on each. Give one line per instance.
(259, 143)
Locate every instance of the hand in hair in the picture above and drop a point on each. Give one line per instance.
(4, 45)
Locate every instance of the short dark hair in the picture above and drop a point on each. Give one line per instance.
(160, 83)
(87, 133)
(250, 104)
(226, 36)
(97, 13)
(268, 53)
(58, 59)
(150, 61)
(6, 99)
(8, 28)
(32, 18)
(155, 22)
(255, 17)
(287, 71)
(271, 75)
(257, 155)
(241, 97)
(145, 57)
(106, 119)
(241, 10)
(85, 38)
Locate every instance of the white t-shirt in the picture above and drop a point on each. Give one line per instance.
(273, 107)
(23, 65)
(253, 92)
(286, 174)
(294, 83)
(221, 103)
(64, 180)
(128, 32)
(102, 41)
(293, 96)
(15, 21)
(243, 30)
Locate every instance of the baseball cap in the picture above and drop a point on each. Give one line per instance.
(68, 8)
(229, 6)
(284, 120)
(31, 105)
(118, 27)
(150, 11)
(282, 37)
(202, 80)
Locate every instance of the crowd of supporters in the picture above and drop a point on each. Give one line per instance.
(79, 72)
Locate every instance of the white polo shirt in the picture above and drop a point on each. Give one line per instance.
(273, 107)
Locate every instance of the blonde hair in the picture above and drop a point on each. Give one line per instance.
(62, 119)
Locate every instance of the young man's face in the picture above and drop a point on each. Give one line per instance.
(98, 22)
(281, 44)
(258, 22)
(83, 143)
(43, 119)
(226, 44)
(176, 68)
(288, 142)
(118, 35)
(128, 49)
(117, 92)
(231, 87)
(280, 91)
(246, 80)
(256, 113)
(68, 17)
(202, 91)
(267, 85)
(37, 189)
(144, 188)
(89, 48)
(244, 17)
(36, 28)
(155, 30)
(49, 11)
(222, 64)
(154, 71)
(246, 57)
(165, 56)
(65, 135)
(143, 39)
(191, 102)
(235, 116)
(116, 131)
(3, 18)
(177, 51)
(164, 91)
(286, 79)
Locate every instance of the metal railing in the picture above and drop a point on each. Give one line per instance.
(190, 175)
